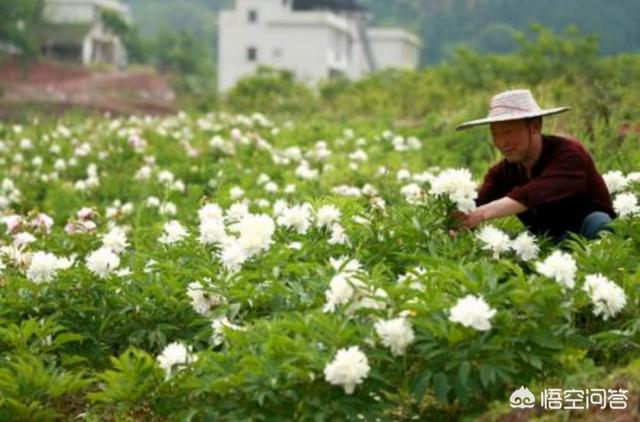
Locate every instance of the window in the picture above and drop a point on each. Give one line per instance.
(252, 54)
(277, 53)
(252, 16)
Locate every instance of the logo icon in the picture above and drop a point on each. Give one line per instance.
(522, 398)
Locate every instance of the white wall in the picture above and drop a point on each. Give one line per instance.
(312, 44)
(308, 43)
(82, 11)
(394, 48)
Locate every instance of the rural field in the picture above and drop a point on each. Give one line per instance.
(291, 255)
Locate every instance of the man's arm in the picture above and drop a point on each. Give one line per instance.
(502, 207)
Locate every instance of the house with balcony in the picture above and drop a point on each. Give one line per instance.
(315, 39)
(74, 31)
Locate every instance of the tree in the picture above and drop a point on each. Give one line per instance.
(19, 23)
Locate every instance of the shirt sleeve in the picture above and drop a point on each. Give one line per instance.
(565, 176)
(493, 186)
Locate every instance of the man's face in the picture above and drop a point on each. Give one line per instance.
(512, 138)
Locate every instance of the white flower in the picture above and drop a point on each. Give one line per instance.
(615, 181)
(559, 266)
(255, 233)
(23, 239)
(412, 193)
(348, 369)
(494, 240)
(44, 266)
(233, 255)
(297, 217)
(201, 300)
(212, 232)
(396, 334)
(626, 205)
(403, 174)
(43, 222)
(472, 311)
(338, 236)
(116, 240)
(458, 185)
(174, 232)
(327, 215)
(237, 211)
(236, 192)
(525, 247)
(607, 297)
(345, 265)
(168, 208)
(341, 290)
(175, 356)
(296, 246)
(102, 262)
(219, 325)
(210, 212)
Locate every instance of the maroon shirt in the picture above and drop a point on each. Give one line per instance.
(564, 187)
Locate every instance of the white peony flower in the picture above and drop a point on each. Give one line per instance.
(341, 290)
(396, 334)
(559, 266)
(102, 262)
(472, 311)
(327, 215)
(212, 232)
(44, 266)
(23, 239)
(458, 185)
(233, 255)
(297, 217)
(412, 193)
(255, 233)
(494, 240)
(348, 369)
(615, 181)
(607, 297)
(237, 211)
(174, 232)
(210, 212)
(219, 325)
(201, 300)
(174, 357)
(338, 236)
(626, 205)
(525, 247)
(116, 240)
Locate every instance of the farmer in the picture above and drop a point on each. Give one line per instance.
(550, 182)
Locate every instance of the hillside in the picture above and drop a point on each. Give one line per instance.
(486, 25)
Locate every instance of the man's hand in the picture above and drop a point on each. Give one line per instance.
(502, 207)
(470, 220)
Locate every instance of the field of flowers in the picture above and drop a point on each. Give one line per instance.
(230, 267)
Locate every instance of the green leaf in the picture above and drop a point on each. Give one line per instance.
(441, 386)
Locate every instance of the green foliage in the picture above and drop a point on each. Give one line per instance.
(270, 88)
(19, 23)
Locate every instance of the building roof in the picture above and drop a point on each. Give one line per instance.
(335, 5)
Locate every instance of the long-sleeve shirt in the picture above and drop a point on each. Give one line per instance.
(564, 188)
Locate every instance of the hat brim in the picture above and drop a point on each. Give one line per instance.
(513, 116)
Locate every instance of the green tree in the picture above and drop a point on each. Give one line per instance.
(19, 21)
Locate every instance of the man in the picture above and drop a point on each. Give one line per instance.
(549, 182)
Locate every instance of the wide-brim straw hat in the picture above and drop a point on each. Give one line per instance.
(513, 105)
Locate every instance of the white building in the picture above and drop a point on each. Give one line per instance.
(74, 32)
(316, 39)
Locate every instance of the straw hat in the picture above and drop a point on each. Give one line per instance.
(512, 105)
